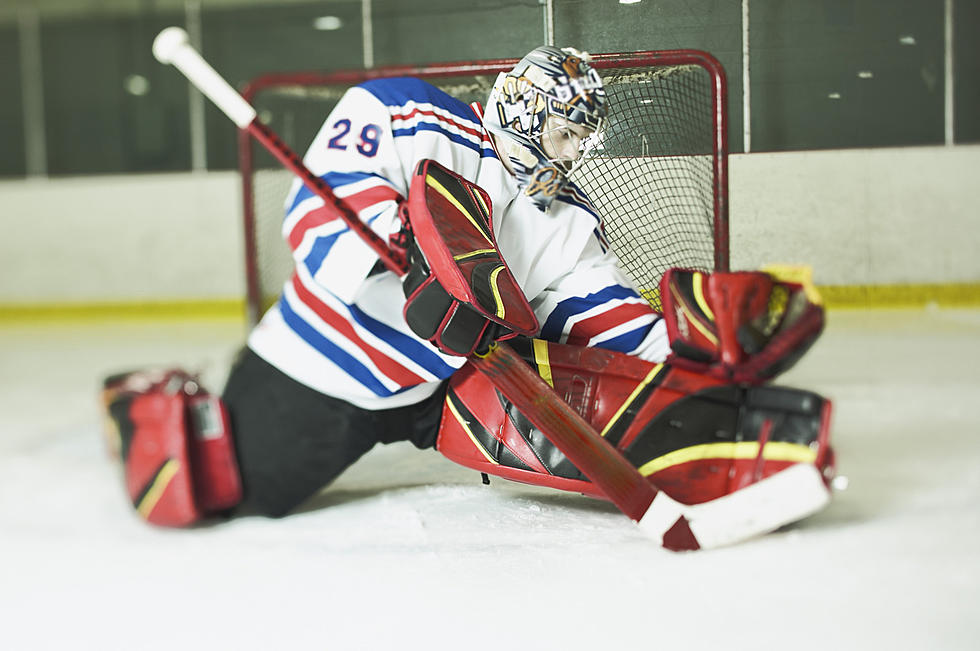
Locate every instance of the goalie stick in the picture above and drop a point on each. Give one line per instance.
(674, 525)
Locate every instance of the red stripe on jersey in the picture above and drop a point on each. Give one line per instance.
(583, 331)
(391, 368)
(312, 219)
(356, 202)
(441, 118)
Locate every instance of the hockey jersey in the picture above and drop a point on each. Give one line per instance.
(338, 326)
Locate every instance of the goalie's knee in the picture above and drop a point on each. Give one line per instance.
(174, 442)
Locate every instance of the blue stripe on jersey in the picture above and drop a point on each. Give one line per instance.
(332, 351)
(573, 196)
(334, 180)
(579, 201)
(568, 308)
(484, 152)
(321, 247)
(628, 341)
(420, 353)
(398, 91)
(455, 137)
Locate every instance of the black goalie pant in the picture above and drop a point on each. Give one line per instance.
(292, 441)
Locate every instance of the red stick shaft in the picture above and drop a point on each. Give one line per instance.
(577, 439)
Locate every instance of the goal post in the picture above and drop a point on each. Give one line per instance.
(659, 178)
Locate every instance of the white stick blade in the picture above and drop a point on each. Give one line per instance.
(790, 495)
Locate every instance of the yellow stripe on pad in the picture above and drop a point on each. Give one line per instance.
(773, 451)
(698, 282)
(473, 254)
(501, 310)
(160, 483)
(431, 181)
(466, 428)
(692, 319)
(636, 392)
(543, 361)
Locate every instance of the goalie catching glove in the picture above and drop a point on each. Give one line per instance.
(460, 294)
(745, 326)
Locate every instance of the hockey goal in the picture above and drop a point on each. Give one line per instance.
(659, 179)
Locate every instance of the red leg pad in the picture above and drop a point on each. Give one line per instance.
(157, 468)
(692, 435)
(174, 442)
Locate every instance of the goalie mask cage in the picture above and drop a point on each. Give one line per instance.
(659, 178)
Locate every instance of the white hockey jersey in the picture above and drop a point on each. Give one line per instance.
(338, 327)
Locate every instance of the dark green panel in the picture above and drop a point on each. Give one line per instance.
(247, 42)
(109, 106)
(12, 154)
(427, 31)
(966, 71)
(846, 73)
(711, 25)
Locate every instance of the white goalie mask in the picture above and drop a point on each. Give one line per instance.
(546, 112)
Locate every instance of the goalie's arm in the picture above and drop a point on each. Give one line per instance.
(368, 179)
(172, 46)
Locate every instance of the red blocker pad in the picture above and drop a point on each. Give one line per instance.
(694, 436)
(746, 326)
(173, 439)
(451, 222)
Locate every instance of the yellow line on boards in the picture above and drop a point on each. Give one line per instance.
(887, 296)
(157, 310)
(835, 297)
(871, 296)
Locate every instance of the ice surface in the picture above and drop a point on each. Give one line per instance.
(409, 551)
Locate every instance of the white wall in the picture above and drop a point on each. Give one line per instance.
(139, 238)
(885, 216)
(860, 217)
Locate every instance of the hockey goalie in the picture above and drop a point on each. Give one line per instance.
(499, 245)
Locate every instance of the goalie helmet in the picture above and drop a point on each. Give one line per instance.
(551, 99)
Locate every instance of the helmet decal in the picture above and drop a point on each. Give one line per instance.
(548, 82)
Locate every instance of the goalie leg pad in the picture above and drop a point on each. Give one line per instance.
(722, 439)
(694, 436)
(173, 439)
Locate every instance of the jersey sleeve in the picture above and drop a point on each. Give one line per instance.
(595, 304)
(354, 154)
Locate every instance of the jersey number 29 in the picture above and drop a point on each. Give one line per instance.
(367, 143)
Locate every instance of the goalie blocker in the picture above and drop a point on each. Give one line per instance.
(174, 442)
(460, 294)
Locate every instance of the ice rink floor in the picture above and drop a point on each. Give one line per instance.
(408, 551)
